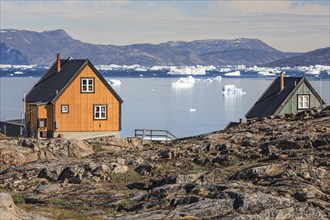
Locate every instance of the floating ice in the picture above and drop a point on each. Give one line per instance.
(156, 68)
(192, 110)
(266, 73)
(225, 69)
(188, 70)
(232, 90)
(114, 82)
(141, 69)
(184, 82)
(313, 72)
(218, 78)
(19, 73)
(236, 73)
(208, 80)
(136, 67)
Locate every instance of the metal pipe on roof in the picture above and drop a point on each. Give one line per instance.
(282, 81)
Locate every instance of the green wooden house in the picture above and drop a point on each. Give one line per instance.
(285, 95)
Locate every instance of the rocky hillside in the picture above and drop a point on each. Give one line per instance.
(274, 168)
(319, 56)
(41, 48)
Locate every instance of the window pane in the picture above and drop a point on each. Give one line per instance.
(90, 81)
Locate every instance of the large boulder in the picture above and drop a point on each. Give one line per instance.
(9, 211)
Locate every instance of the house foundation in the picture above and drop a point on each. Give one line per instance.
(86, 135)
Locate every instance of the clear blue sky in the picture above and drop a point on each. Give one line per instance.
(295, 26)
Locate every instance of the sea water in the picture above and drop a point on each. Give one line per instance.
(153, 103)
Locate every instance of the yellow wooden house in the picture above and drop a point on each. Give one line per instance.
(72, 100)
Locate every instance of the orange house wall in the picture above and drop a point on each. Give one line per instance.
(35, 112)
(45, 111)
(81, 107)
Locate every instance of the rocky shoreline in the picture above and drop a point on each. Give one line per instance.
(273, 168)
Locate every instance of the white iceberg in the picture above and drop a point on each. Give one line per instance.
(157, 68)
(232, 90)
(184, 82)
(114, 82)
(266, 73)
(141, 69)
(19, 73)
(313, 72)
(188, 70)
(208, 80)
(225, 69)
(236, 73)
(218, 78)
(192, 110)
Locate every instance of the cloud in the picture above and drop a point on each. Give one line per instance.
(283, 24)
(279, 7)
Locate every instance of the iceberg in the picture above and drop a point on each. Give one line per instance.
(208, 80)
(18, 73)
(232, 90)
(236, 73)
(188, 70)
(313, 72)
(225, 69)
(141, 69)
(157, 68)
(218, 78)
(114, 82)
(266, 73)
(184, 82)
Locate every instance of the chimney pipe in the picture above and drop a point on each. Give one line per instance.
(58, 63)
(282, 81)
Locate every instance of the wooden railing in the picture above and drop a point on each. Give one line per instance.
(154, 135)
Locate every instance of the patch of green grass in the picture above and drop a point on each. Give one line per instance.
(126, 202)
(59, 214)
(61, 204)
(97, 148)
(18, 198)
(85, 206)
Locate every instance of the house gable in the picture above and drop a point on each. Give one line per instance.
(291, 103)
(80, 116)
(276, 101)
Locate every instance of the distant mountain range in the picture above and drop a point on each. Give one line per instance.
(30, 47)
(319, 56)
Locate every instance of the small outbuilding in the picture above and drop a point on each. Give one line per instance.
(285, 95)
(72, 100)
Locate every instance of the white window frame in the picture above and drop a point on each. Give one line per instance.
(100, 112)
(303, 102)
(87, 85)
(65, 109)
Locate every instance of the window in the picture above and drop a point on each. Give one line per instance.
(100, 112)
(87, 84)
(303, 101)
(64, 109)
(42, 122)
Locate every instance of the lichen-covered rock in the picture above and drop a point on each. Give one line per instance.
(272, 168)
